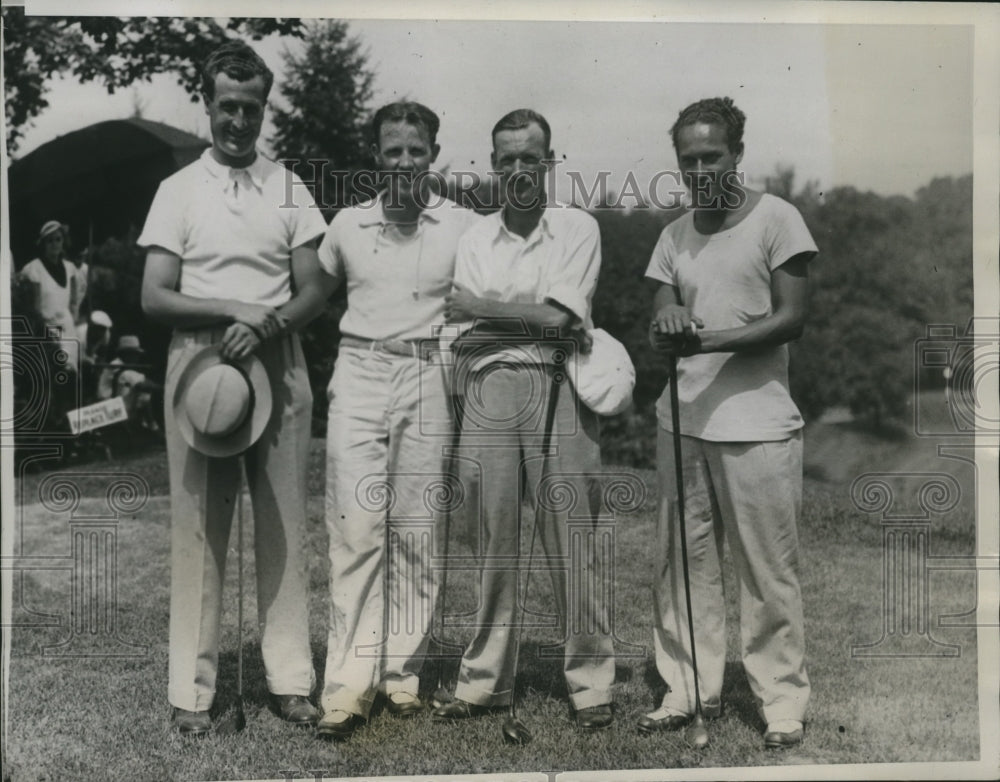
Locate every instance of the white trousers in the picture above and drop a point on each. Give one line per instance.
(502, 464)
(203, 492)
(387, 431)
(751, 494)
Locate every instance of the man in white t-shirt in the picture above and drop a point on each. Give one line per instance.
(731, 293)
(388, 424)
(524, 280)
(232, 262)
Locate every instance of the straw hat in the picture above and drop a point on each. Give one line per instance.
(222, 408)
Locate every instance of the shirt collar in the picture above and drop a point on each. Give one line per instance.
(543, 227)
(373, 214)
(255, 171)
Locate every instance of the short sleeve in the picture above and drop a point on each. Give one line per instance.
(661, 263)
(787, 235)
(572, 282)
(165, 221)
(330, 253)
(307, 221)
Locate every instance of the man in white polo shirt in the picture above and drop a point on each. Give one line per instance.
(529, 268)
(232, 261)
(388, 424)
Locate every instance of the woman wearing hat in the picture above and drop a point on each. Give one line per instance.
(53, 278)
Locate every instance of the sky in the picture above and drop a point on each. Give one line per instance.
(878, 107)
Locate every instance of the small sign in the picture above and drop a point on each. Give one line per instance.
(103, 413)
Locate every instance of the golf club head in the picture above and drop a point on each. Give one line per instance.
(441, 697)
(515, 731)
(234, 722)
(696, 733)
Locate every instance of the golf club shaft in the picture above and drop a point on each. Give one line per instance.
(451, 466)
(679, 479)
(239, 592)
(550, 417)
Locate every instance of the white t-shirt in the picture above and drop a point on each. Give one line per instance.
(725, 280)
(234, 229)
(396, 283)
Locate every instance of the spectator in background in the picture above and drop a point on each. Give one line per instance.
(54, 278)
(95, 344)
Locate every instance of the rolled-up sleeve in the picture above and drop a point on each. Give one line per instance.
(573, 280)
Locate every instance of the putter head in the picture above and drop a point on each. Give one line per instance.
(515, 732)
(696, 733)
(233, 722)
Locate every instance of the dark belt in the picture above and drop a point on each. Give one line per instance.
(413, 348)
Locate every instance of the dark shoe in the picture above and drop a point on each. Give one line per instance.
(337, 725)
(297, 710)
(403, 704)
(662, 720)
(192, 723)
(594, 717)
(782, 739)
(459, 710)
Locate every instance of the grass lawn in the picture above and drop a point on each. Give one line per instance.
(101, 717)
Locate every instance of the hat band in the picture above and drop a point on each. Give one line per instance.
(253, 396)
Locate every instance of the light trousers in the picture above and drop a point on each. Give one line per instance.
(751, 494)
(387, 431)
(203, 493)
(502, 463)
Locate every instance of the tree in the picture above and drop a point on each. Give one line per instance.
(322, 130)
(114, 51)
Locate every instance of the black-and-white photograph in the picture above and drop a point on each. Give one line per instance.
(500, 392)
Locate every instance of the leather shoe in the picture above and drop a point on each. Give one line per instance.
(777, 737)
(297, 710)
(404, 704)
(192, 723)
(337, 725)
(662, 720)
(458, 710)
(594, 717)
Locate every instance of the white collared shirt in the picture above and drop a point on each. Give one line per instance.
(234, 229)
(558, 262)
(396, 283)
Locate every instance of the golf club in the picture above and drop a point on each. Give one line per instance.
(696, 733)
(442, 694)
(514, 730)
(236, 720)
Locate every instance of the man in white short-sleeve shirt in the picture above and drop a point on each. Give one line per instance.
(232, 262)
(732, 292)
(388, 425)
(524, 280)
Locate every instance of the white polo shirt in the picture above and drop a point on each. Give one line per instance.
(396, 283)
(725, 280)
(234, 229)
(557, 262)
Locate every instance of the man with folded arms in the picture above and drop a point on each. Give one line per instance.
(388, 423)
(531, 267)
(232, 262)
